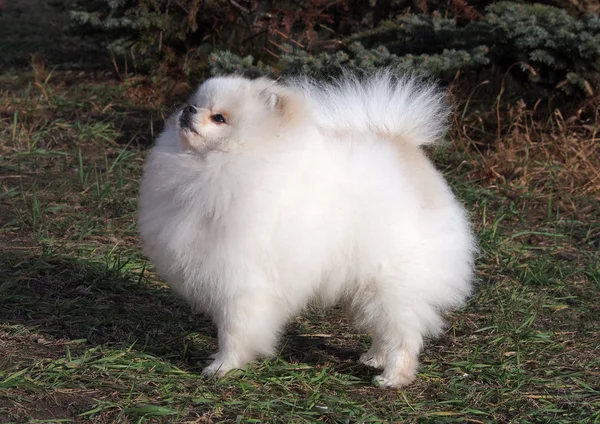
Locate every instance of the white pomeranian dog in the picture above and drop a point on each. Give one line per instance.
(261, 197)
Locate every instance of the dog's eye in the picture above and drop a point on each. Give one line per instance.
(218, 118)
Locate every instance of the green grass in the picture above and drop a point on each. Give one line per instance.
(89, 333)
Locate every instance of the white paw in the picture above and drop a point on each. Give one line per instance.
(393, 382)
(210, 358)
(372, 360)
(218, 368)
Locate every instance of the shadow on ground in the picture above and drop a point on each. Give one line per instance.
(71, 299)
(66, 297)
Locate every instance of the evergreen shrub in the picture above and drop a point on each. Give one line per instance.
(544, 46)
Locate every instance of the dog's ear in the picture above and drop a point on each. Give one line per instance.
(271, 96)
(272, 100)
(284, 101)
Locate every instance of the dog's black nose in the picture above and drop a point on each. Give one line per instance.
(188, 110)
(185, 121)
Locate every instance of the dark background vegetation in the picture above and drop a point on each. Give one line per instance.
(89, 332)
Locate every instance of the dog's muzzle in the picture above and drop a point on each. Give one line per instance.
(186, 120)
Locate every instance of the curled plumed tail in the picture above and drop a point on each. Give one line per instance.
(404, 107)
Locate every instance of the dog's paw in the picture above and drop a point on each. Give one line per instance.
(393, 382)
(219, 368)
(372, 360)
(210, 358)
(216, 370)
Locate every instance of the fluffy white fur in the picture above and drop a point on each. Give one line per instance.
(309, 192)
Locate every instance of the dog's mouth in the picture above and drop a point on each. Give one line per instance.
(186, 124)
(186, 120)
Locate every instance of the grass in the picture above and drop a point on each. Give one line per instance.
(89, 333)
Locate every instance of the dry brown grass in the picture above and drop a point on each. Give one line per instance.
(540, 157)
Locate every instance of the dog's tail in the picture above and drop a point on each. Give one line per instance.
(396, 107)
